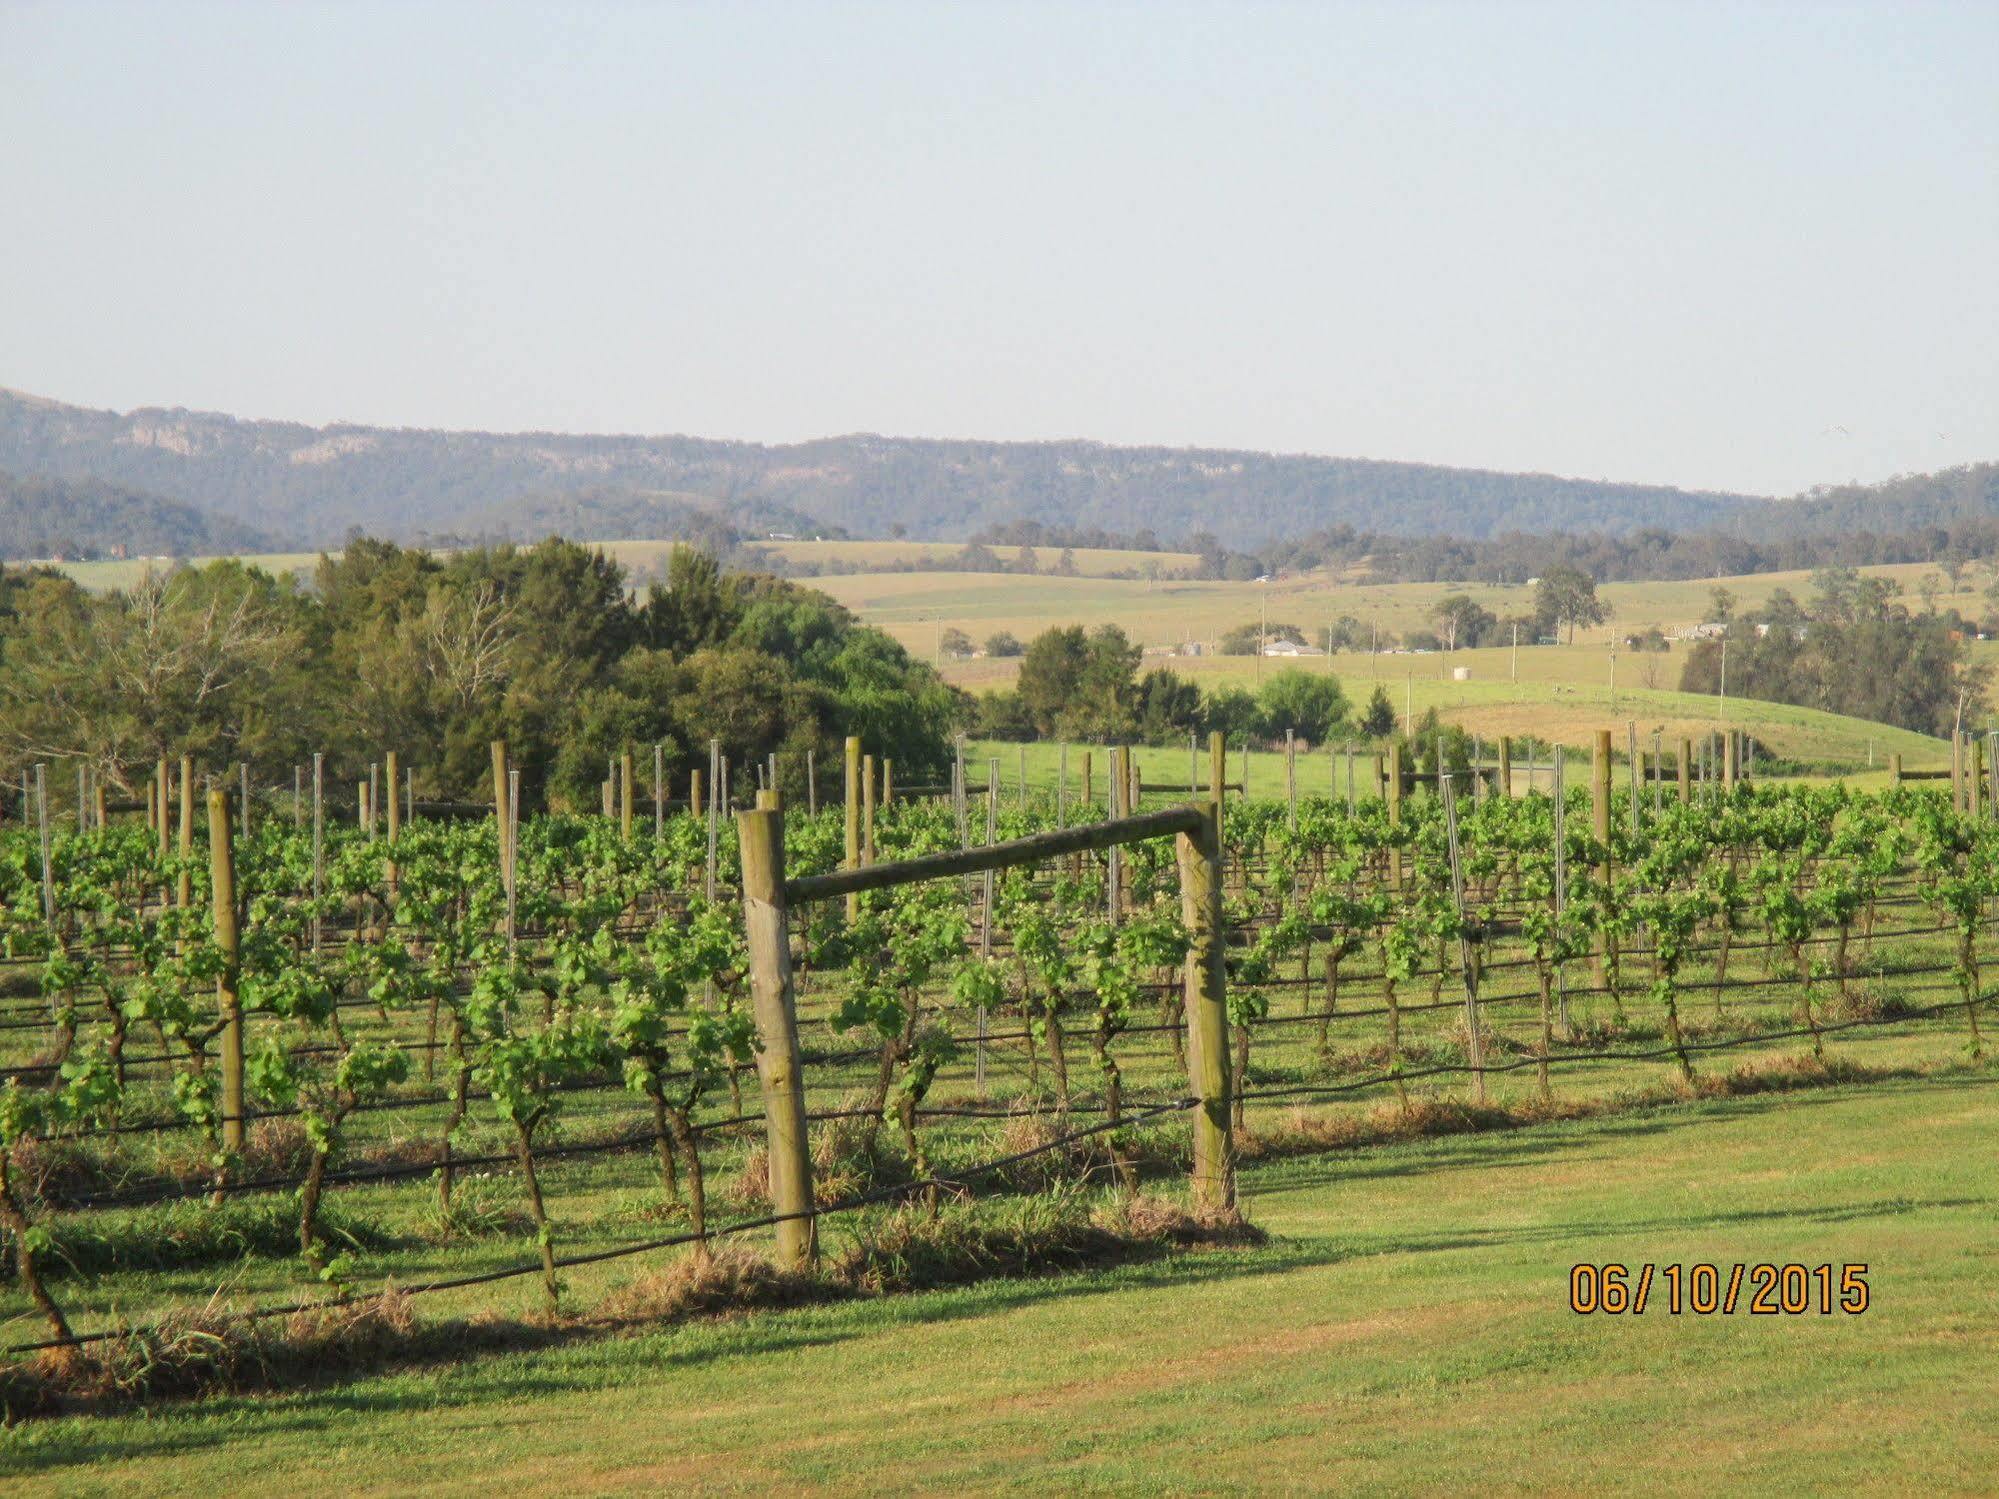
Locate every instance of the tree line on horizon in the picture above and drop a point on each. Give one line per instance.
(391, 647)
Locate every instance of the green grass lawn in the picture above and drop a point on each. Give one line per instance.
(1405, 1330)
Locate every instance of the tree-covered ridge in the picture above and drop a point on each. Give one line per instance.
(324, 480)
(1921, 518)
(610, 513)
(312, 485)
(86, 518)
(394, 648)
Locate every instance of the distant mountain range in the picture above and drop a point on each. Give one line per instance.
(295, 485)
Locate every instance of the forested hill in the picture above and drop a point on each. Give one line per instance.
(76, 518)
(310, 485)
(316, 482)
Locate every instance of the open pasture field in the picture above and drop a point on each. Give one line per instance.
(1553, 709)
(913, 605)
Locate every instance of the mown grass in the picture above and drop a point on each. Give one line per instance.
(1406, 1330)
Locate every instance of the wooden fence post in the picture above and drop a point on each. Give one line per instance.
(868, 808)
(183, 892)
(765, 921)
(625, 795)
(222, 875)
(163, 781)
(853, 812)
(1200, 857)
(500, 820)
(1392, 788)
(1291, 778)
(1600, 797)
(1686, 771)
(1506, 766)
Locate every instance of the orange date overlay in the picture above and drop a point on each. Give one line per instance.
(1705, 1290)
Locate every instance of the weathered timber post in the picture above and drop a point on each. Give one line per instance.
(987, 895)
(765, 921)
(658, 790)
(887, 795)
(393, 763)
(625, 795)
(1200, 857)
(1636, 762)
(867, 809)
(222, 876)
(853, 811)
(183, 890)
(1392, 788)
(1291, 777)
(1600, 795)
(48, 876)
(1599, 775)
(501, 824)
(163, 821)
(1113, 862)
(1506, 766)
(1895, 770)
(1089, 795)
(318, 846)
(811, 783)
(718, 794)
(1686, 771)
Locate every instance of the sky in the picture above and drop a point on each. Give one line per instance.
(1750, 247)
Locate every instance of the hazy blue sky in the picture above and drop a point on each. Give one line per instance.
(1672, 242)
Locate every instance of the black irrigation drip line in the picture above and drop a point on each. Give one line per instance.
(1567, 1058)
(565, 1262)
(400, 1171)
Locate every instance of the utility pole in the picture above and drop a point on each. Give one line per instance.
(1262, 629)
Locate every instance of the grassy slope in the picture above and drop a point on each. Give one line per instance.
(1406, 1330)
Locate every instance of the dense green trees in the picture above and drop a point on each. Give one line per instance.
(394, 648)
(1853, 649)
(1084, 685)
